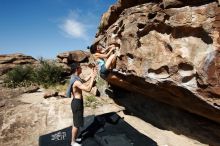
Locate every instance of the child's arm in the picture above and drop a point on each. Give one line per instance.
(106, 49)
(99, 55)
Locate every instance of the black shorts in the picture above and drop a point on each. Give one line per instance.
(77, 110)
(104, 72)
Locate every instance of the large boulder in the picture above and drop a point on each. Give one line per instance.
(9, 61)
(73, 56)
(109, 17)
(169, 51)
(66, 58)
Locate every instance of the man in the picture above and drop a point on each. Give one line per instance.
(76, 87)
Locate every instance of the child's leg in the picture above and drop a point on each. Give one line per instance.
(113, 64)
(110, 62)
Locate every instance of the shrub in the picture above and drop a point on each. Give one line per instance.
(91, 98)
(19, 76)
(91, 101)
(48, 73)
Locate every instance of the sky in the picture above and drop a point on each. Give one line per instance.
(45, 28)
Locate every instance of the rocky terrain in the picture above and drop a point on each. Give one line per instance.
(165, 84)
(9, 61)
(30, 115)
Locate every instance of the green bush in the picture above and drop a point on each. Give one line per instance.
(19, 76)
(46, 74)
(91, 101)
(91, 98)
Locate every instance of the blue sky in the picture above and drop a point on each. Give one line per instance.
(44, 28)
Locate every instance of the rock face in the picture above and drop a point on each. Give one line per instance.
(9, 61)
(169, 51)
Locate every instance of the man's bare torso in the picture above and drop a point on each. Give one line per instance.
(77, 93)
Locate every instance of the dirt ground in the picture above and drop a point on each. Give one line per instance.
(27, 116)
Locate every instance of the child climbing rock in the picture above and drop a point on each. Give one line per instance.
(101, 54)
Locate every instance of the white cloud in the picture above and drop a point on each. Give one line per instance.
(79, 24)
(73, 28)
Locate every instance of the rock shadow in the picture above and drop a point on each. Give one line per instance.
(167, 117)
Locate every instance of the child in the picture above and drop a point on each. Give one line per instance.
(99, 55)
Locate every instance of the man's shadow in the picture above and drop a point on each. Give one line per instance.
(103, 130)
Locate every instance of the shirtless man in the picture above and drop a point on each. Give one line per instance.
(76, 87)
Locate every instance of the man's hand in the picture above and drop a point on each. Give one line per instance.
(94, 72)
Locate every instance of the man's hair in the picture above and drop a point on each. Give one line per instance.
(74, 66)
